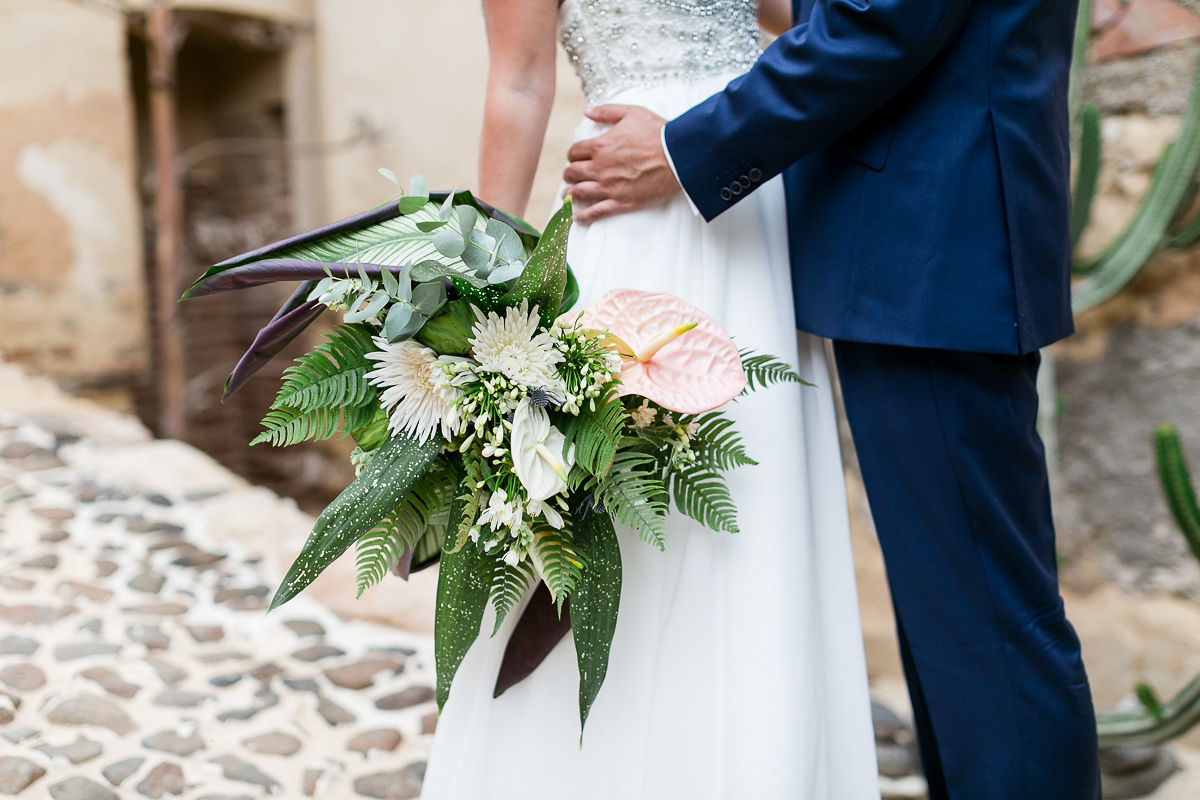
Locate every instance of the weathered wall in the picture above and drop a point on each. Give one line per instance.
(70, 256)
(1135, 361)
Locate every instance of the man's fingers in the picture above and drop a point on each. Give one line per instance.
(580, 172)
(586, 193)
(582, 150)
(599, 211)
(607, 115)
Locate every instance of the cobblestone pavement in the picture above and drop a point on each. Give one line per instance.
(136, 659)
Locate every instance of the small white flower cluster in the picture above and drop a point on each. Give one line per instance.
(496, 404)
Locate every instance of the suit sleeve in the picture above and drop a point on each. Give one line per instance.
(814, 83)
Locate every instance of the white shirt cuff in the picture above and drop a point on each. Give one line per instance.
(671, 164)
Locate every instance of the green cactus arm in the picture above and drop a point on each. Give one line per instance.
(1177, 485)
(1087, 173)
(1109, 272)
(1079, 56)
(1131, 728)
(1187, 235)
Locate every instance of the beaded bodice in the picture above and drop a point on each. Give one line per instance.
(620, 44)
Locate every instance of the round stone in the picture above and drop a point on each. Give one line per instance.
(78, 788)
(166, 778)
(111, 682)
(235, 769)
(81, 750)
(119, 771)
(87, 709)
(275, 743)
(172, 742)
(412, 696)
(400, 784)
(361, 674)
(383, 739)
(17, 774)
(23, 677)
(18, 646)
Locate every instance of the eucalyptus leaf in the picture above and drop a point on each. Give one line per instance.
(374, 305)
(449, 242)
(428, 297)
(367, 283)
(404, 284)
(429, 227)
(447, 209)
(410, 204)
(320, 288)
(477, 256)
(410, 329)
(506, 273)
(390, 284)
(418, 187)
(387, 173)
(467, 217)
(385, 480)
(428, 271)
(398, 317)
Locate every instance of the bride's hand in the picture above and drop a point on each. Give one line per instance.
(623, 169)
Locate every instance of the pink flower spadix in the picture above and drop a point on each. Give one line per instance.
(672, 352)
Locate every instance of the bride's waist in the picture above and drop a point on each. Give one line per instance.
(667, 98)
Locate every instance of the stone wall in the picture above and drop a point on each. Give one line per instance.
(1135, 361)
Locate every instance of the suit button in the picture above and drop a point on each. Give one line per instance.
(736, 188)
(756, 174)
(745, 182)
(726, 195)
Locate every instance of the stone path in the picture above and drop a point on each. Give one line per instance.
(136, 659)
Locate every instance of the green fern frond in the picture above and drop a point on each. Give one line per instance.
(332, 375)
(288, 426)
(470, 493)
(561, 565)
(595, 433)
(426, 503)
(717, 444)
(701, 493)
(765, 370)
(634, 495)
(509, 585)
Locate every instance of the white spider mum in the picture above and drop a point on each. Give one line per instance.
(416, 390)
(512, 346)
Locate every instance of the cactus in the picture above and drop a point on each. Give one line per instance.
(1158, 722)
(1087, 173)
(1112, 270)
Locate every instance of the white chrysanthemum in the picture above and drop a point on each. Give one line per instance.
(416, 390)
(511, 345)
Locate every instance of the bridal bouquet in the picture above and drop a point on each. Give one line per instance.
(497, 429)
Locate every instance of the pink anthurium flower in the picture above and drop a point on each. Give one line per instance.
(672, 352)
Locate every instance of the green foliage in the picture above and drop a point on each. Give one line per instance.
(544, 281)
(561, 563)
(765, 370)
(426, 503)
(595, 603)
(462, 596)
(700, 492)
(1151, 726)
(1112, 270)
(717, 444)
(1177, 485)
(595, 434)
(324, 391)
(508, 586)
(634, 494)
(393, 470)
(469, 499)
(1088, 172)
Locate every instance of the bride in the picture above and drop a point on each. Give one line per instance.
(737, 667)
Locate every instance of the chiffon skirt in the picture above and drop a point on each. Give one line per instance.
(737, 667)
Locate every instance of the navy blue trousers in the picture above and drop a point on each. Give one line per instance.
(956, 478)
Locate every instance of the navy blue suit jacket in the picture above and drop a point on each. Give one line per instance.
(925, 151)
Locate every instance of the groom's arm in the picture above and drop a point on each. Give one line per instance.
(814, 83)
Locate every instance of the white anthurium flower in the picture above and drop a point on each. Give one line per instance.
(537, 448)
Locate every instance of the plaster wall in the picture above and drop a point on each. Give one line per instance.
(71, 296)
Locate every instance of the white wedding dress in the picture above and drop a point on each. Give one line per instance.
(737, 667)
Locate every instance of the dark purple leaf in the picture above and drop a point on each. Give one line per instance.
(286, 326)
(537, 632)
(274, 270)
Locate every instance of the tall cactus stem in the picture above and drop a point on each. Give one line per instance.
(1177, 485)
(1079, 56)
(1142, 727)
(1087, 173)
(1109, 272)
(1186, 236)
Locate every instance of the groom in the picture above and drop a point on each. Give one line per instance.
(924, 148)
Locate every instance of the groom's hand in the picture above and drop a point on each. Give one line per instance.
(623, 169)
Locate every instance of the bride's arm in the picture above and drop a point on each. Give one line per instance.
(520, 90)
(775, 16)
